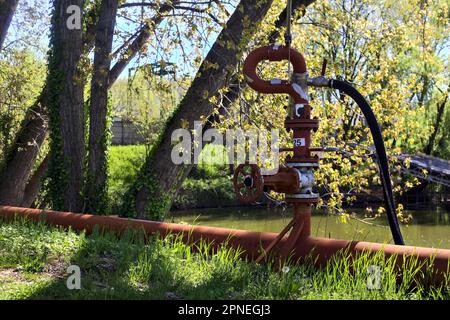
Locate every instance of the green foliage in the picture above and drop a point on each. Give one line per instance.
(441, 148)
(206, 192)
(124, 164)
(145, 100)
(209, 182)
(212, 161)
(130, 268)
(443, 145)
(393, 52)
(21, 79)
(159, 201)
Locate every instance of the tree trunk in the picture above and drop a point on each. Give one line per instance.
(23, 153)
(65, 104)
(160, 178)
(96, 184)
(34, 185)
(16, 169)
(440, 113)
(7, 9)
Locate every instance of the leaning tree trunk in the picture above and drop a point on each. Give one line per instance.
(7, 9)
(34, 185)
(160, 178)
(22, 154)
(437, 123)
(96, 183)
(65, 86)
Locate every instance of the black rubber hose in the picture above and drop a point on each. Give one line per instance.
(346, 88)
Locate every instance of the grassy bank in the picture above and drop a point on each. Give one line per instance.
(124, 164)
(207, 185)
(34, 259)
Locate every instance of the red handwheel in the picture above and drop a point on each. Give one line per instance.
(248, 182)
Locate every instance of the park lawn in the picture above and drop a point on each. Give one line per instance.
(208, 183)
(34, 260)
(124, 163)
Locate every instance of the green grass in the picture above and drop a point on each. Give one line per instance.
(124, 165)
(205, 193)
(14, 286)
(208, 184)
(34, 259)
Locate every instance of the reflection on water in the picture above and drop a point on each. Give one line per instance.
(426, 229)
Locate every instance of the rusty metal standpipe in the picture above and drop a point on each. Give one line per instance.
(297, 178)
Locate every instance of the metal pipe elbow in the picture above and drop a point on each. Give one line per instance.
(275, 53)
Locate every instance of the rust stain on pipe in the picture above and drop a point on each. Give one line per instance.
(251, 242)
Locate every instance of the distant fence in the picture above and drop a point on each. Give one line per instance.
(125, 132)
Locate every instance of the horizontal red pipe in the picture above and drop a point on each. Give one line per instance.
(251, 242)
(248, 240)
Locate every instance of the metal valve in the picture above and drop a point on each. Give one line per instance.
(248, 182)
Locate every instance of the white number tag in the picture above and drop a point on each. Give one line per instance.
(299, 142)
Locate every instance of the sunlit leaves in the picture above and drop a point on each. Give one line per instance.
(392, 51)
(21, 79)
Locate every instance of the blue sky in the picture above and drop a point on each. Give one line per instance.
(33, 18)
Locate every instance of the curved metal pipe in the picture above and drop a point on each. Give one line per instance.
(275, 53)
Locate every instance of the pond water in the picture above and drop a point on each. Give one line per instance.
(430, 228)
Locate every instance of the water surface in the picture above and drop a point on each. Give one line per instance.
(429, 228)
